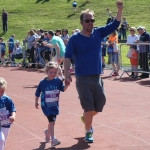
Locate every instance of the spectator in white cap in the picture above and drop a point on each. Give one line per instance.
(143, 50)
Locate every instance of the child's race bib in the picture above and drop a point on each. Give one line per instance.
(51, 97)
(4, 117)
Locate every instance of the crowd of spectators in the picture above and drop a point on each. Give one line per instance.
(39, 51)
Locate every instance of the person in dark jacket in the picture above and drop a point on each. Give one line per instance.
(4, 20)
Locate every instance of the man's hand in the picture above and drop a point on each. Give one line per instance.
(119, 4)
(68, 79)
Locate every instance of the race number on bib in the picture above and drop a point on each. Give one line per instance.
(4, 117)
(51, 97)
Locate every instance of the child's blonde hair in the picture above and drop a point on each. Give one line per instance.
(3, 83)
(51, 65)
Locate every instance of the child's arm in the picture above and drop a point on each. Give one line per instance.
(36, 102)
(12, 117)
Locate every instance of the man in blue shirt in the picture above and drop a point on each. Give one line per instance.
(85, 46)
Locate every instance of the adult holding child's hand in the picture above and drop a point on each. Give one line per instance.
(85, 47)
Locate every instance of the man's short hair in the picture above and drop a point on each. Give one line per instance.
(87, 11)
(140, 28)
(51, 32)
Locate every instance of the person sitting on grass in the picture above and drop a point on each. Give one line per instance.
(17, 53)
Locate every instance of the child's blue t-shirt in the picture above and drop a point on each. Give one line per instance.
(6, 108)
(49, 91)
(11, 43)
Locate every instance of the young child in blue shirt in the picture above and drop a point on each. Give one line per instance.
(2, 49)
(7, 113)
(49, 89)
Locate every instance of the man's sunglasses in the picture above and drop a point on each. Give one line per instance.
(89, 20)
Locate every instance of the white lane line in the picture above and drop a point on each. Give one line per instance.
(28, 131)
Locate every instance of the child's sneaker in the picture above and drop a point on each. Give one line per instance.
(47, 136)
(54, 142)
(89, 137)
(82, 119)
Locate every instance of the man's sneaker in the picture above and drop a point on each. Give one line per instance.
(89, 137)
(54, 142)
(82, 119)
(47, 136)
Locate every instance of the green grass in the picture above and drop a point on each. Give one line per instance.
(58, 14)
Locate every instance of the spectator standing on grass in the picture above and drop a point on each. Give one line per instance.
(49, 89)
(124, 27)
(85, 46)
(74, 5)
(143, 50)
(131, 40)
(4, 20)
(7, 113)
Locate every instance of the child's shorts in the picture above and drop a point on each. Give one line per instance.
(10, 51)
(2, 53)
(51, 118)
(114, 58)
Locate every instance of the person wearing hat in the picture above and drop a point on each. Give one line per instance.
(17, 53)
(143, 50)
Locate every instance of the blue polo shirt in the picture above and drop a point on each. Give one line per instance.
(87, 50)
(6, 108)
(49, 91)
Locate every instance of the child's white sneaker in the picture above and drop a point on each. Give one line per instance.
(54, 142)
(47, 136)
